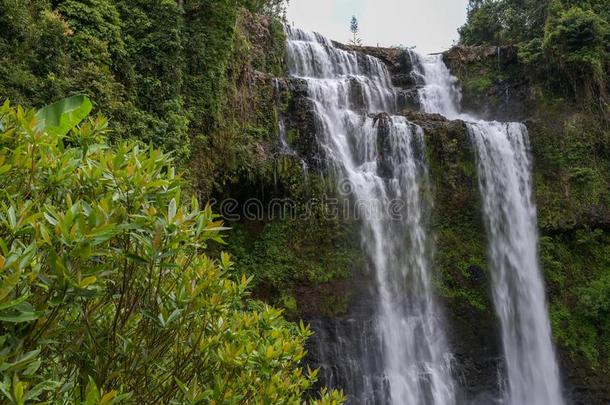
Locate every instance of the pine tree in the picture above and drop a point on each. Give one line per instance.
(356, 40)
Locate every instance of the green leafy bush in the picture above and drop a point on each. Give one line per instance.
(576, 40)
(106, 292)
(563, 43)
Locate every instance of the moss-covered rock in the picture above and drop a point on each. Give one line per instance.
(493, 84)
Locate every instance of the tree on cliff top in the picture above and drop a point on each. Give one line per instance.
(355, 30)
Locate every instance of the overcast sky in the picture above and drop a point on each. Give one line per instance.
(430, 24)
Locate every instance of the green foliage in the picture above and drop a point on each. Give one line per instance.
(576, 40)
(285, 253)
(460, 251)
(570, 34)
(237, 149)
(483, 25)
(95, 30)
(152, 72)
(459, 232)
(498, 22)
(60, 117)
(132, 58)
(571, 153)
(106, 292)
(576, 265)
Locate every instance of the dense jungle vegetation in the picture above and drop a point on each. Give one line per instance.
(159, 70)
(107, 294)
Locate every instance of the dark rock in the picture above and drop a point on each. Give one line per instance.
(477, 275)
(301, 122)
(493, 84)
(397, 60)
(408, 99)
(385, 166)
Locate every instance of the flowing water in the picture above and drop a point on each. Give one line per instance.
(504, 170)
(399, 355)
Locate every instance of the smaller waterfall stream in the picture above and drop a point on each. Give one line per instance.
(505, 183)
(504, 168)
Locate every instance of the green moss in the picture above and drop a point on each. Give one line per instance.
(576, 268)
(288, 303)
(480, 84)
(282, 254)
(334, 305)
(237, 149)
(571, 152)
(457, 223)
(462, 252)
(303, 244)
(292, 135)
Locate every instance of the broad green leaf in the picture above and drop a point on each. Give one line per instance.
(18, 388)
(35, 391)
(108, 397)
(60, 117)
(92, 395)
(22, 317)
(14, 303)
(22, 362)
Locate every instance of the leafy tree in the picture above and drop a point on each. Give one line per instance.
(355, 30)
(106, 292)
(499, 22)
(576, 40)
(572, 34)
(131, 58)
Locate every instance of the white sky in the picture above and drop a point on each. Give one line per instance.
(431, 25)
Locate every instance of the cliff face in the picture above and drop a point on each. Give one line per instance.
(314, 269)
(570, 144)
(492, 83)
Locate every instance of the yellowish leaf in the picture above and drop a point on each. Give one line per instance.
(87, 281)
(108, 397)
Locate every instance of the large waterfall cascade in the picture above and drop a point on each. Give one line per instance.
(406, 361)
(401, 355)
(505, 182)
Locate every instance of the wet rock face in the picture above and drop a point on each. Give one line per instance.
(400, 66)
(348, 353)
(397, 60)
(298, 114)
(385, 167)
(492, 87)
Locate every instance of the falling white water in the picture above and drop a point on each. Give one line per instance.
(381, 159)
(510, 214)
(505, 181)
(439, 93)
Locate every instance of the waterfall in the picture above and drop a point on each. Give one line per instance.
(380, 161)
(519, 295)
(504, 171)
